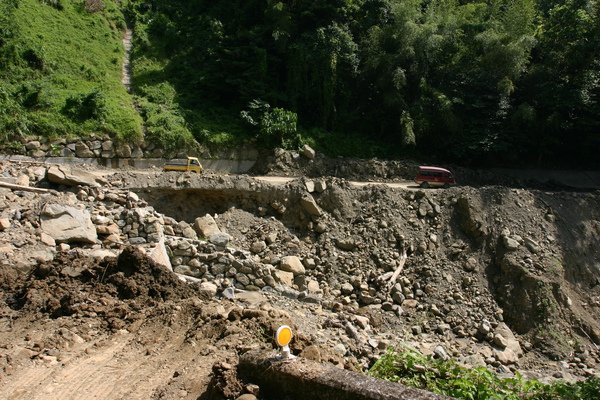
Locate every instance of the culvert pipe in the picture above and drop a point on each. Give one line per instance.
(302, 379)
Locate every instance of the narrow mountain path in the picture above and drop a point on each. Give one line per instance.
(126, 71)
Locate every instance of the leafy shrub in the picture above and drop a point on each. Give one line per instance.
(13, 121)
(161, 93)
(167, 128)
(86, 106)
(50, 124)
(276, 127)
(29, 94)
(33, 59)
(448, 378)
(122, 122)
(93, 6)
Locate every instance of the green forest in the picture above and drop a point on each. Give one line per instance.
(480, 83)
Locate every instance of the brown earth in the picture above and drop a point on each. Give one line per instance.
(76, 326)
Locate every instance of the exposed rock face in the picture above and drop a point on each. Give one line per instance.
(471, 221)
(65, 175)
(67, 224)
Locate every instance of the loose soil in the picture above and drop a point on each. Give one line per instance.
(77, 326)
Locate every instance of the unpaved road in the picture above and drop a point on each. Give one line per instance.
(128, 365)
(281, 180)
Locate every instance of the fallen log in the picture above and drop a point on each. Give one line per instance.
(302, 379)
(24, 188)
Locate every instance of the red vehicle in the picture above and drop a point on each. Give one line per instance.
(434, 176)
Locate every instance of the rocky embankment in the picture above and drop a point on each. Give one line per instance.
(496, 277)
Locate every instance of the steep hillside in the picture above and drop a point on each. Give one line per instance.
(471, 82)
(468, 81)
(60, 71)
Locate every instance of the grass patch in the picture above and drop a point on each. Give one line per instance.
(63, 71)
(448, 378)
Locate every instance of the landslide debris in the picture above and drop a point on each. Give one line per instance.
(498, 277)
(70, 284)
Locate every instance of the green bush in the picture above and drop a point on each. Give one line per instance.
(50, 125)
(448, 378)
(34, 59)
(166, 128)
(85, 106)
(275, 127)
(122, 122)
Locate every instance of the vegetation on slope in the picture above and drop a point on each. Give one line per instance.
(60, 70)
(448, 378)
(501, 81)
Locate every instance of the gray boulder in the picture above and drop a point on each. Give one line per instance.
(83, 151)
(68, 224)
(65, 175)
(292, 264)
(206, 226)
(310, 205)
(308, 152)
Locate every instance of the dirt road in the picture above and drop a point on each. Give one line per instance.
(281, 180)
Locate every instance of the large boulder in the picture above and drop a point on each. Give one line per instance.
(65, 175)
(292, 264)
(160, 256)
(83, 151)
(308, 152)
(68, 224)
(4, 224)
(310, 205)
(508, 339)
(206, 226)
(284, 277)
(123, 150)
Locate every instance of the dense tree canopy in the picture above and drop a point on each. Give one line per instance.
(502, 81)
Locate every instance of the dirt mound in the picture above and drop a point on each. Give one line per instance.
(94, 317)
(73, 285)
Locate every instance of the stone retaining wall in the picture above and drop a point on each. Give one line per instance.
(108, 153)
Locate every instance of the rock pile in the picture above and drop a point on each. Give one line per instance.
(448, 271)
